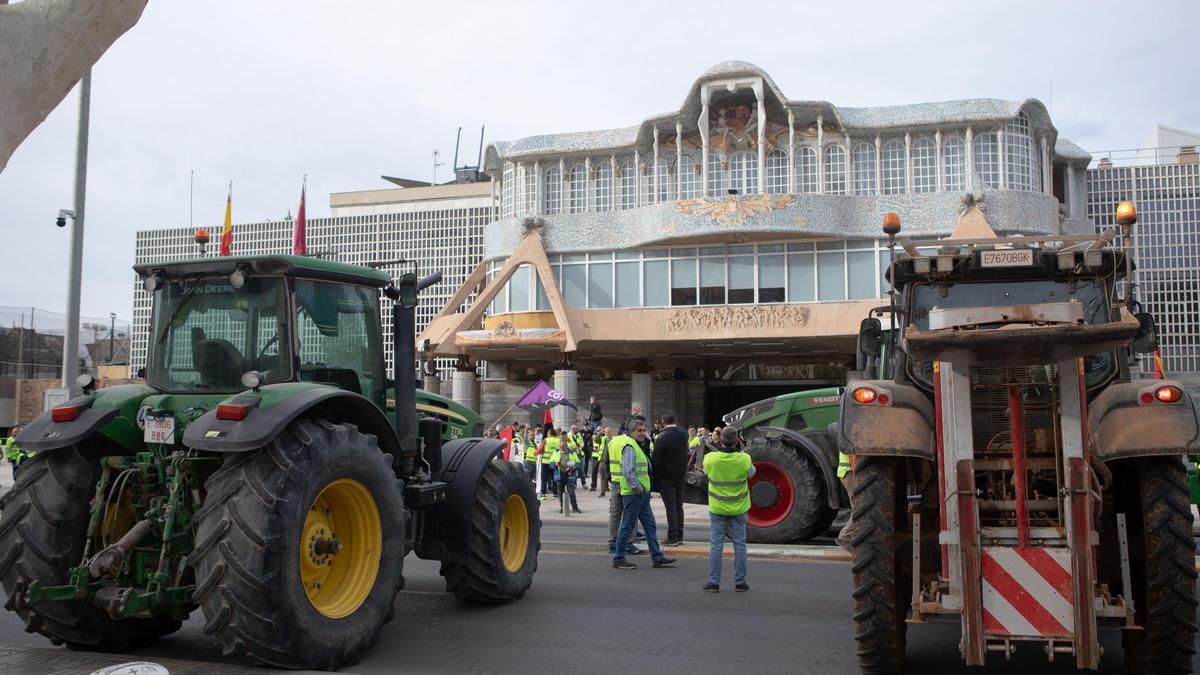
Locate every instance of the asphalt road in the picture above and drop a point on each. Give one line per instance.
(796, 618)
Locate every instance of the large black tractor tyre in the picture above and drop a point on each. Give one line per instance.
(788, 502)
(882, 564)
(269, 579)
(42, 535)
(1162, 568)
(503, 544)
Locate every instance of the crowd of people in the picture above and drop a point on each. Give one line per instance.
(633, 462)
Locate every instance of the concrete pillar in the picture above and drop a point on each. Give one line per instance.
(432, 383)
(820, 155)
(566, 382)
(641, 395)
(464, 389)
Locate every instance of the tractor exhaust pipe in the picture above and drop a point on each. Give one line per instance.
(404, 335)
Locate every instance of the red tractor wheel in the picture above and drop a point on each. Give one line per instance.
(771, 495)
(788, 502)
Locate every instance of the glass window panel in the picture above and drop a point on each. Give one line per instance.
(895, 173)
(666, 181)
(884, 262)
(835, 170)
(987, 159)
(864, 169)
(602, 187)
(552, 191)
(1018, 154)
(805, 246)
(574, 285)
(600, 284)
(771, 278)
(576, 189)
(683, 282)
(683, 253)
(954, 161)
(690, 177)
(543, 301)
(712, 250)
(831, 276)
(743, 173)
(518, 289)
(506, 191)
(657, 289)
(777, 172)
(576, 257)
(741, 280)
(861, 274)
(655, 253)
(836, 245)
(627, 187)
(629, 285)
(860, 243)
(806, 170)
(770, 248)
(741, 248)
(718, 181)
(607, 255)
(924, 160)
(802, 285)
(712, 281)
(628, 255)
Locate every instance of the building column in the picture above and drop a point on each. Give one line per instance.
(762, 139)
(791, 187)
(849, 163)
(432, 383)
(566, 382)
(937, 161)
(878, 165)
(637, 179)
(537, 188)
(820, 156)
(1047, 169)
(1072, 207)
(464, 387)
(562, 185)
(969, 141)
(1003, 180)
(678, 160)
(641, 395)
(588, 184)
(908, 182)
(703, 122)
(654, 176)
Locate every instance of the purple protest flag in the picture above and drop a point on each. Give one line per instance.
(541, 397)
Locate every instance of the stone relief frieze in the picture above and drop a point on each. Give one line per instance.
(736, 317)
(734, 210)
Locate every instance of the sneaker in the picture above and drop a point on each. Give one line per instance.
(673, 543)
(576, 511)
(633, 550)
(623, 565)
(742, 587)
(711, 588)
(665, 562)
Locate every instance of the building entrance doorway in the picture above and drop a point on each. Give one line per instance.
(722, 397)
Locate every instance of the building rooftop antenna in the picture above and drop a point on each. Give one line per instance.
(436, 156)
(467, 173)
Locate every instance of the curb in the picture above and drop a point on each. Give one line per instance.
(756, 551)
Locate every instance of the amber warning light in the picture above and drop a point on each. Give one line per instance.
(891, 223)
(1126, 213)
(864, 395)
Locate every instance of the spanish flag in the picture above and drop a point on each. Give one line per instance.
(1160, 371)
(227, 231)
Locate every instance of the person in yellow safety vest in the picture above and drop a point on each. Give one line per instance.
(845, 473)
(728, 470)
(599, 444)
(531, 458)
(550, 445)
(574, 441)
(566, 467)
(13, 453)
(633, 478)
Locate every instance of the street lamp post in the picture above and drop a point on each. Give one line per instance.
(75, 266)
(112, 326)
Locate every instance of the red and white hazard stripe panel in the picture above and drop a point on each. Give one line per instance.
(1027, 592)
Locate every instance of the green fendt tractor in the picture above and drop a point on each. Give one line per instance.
(267, 474)
(794, 493)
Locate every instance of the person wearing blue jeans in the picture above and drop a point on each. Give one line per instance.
(728, 470)
(634, 482)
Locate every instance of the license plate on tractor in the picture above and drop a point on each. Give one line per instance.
(1020, 257)
(160, 430)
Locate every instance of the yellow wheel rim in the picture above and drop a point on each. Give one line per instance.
(514, 533)
(340, 547)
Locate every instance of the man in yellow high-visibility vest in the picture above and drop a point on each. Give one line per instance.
(728, 470)
(633, 478)
(599, 445)
(845, 473)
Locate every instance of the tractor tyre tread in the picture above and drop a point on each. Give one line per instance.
(879, 584)
(810, 515)
(483, 578)
(42, 533)
(247, 548)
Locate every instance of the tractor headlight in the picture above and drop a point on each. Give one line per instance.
(152, 282)
(253, 379)
(85, 382)
(237, 278)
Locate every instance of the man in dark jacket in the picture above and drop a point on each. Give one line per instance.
(669, 462)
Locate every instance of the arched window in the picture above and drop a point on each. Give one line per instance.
(689, 177)
(777, 172)
(506, 191)
(552, 192)
(806, 170)
(987, 159)
(924, 159)
(954, 160)
(718, 179)
(602, 186)
(895, 171)
(666, 181)
(864, 169)
(835, 170)
(743, 173)
(646, 172)
(627, 192)
(577, 189)
(1018, 155)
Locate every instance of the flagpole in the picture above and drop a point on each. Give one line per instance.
(502, 416)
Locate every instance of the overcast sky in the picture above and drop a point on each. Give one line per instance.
(264, 92)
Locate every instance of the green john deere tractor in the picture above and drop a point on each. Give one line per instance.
(794, 493)
(268, 474)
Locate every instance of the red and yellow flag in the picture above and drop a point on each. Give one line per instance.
(227, 230)
(1160, 371)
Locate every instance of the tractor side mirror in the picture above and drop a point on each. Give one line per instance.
(407, 288)
(870, 337)
(1146, 338)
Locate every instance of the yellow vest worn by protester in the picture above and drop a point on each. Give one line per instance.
(641, 466)
(553, 443)
(575, 441)
(530, 448)
(694, 442)
(727, 472)
(598, 447)
(844, 465)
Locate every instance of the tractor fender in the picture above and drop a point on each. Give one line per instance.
(819, 448)
(263, 424)
(902, 427)
(44, 433)
(447, 525)
(1121, 426)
